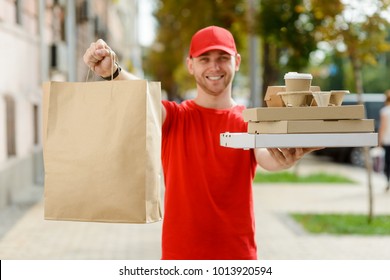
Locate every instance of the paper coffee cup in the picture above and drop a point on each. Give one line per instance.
(337, 96)
(294, 98)
(322, 98)
(297, 81)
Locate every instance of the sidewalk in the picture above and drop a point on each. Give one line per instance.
(278, 237)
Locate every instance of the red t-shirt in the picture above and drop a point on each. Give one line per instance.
(208, 210)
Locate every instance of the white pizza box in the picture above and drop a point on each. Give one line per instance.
(250, 141)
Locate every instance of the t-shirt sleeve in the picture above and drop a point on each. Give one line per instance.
(171, 109)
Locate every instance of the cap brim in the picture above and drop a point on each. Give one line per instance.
(216, 47)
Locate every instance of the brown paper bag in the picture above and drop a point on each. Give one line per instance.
(102, 151)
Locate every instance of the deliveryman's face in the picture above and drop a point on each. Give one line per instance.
(214, 70)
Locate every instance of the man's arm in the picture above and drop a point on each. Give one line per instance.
(99, 57)
(274, 159)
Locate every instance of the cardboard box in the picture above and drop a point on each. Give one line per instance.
(304, 113)
(273, 100)
(251, 141)
(311, 126)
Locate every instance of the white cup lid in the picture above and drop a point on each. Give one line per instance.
(296, 75)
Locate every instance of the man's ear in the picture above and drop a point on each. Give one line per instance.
(190, 68)
(237, 61)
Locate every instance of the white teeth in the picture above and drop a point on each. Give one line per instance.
(214, 78)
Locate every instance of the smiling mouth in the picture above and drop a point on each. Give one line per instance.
(215, 78)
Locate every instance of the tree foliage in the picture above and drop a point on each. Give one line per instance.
(353, 31)
(287, 26)
(287, 33)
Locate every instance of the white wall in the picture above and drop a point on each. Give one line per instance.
(20, 79)
(3, 144)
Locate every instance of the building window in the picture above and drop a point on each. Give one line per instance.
(10, 125)
(36, 124)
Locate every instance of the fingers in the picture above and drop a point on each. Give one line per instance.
(102, 50)
(101, 44)
(298, 153)
(93, 55)
(96, 53)
(287, 156)
(309, 150)
(281, 156)
(102, 53)
(89, 57)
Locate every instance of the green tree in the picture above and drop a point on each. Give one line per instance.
(287, 33)
(355, 32)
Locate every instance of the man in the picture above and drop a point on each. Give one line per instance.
(208, 196)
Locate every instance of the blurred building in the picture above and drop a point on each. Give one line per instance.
(42, 40)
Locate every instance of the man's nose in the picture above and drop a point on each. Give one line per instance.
(215, 64)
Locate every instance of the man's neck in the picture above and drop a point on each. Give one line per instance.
(223, 101)
(214, 103)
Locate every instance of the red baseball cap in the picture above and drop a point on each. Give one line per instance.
(212, 38)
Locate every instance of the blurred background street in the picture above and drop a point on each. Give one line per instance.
(26, 235)
(343, 43)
